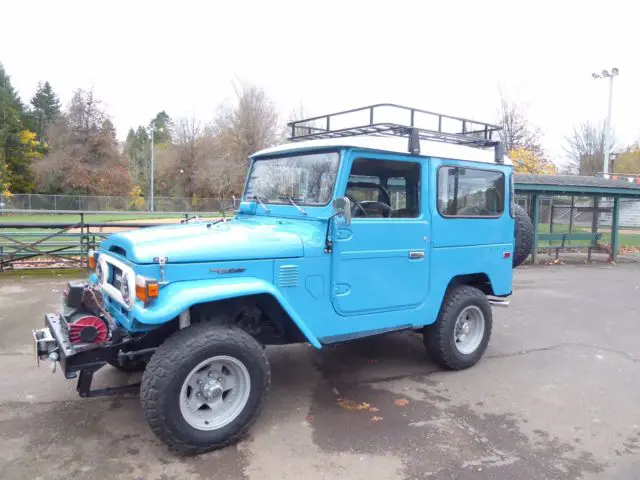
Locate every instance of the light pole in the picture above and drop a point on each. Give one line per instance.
(152, 170)
(607, 132)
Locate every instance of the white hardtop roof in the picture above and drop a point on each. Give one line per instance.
(393, 145)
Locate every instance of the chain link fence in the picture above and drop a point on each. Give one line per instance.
(87, 203)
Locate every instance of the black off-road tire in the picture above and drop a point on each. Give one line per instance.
(439, 338)
(524, 236)
(131, 366)
(171, 364)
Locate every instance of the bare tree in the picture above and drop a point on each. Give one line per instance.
(585, 148)
(250, 123)
(187, 136)
(517, 132)
(220, 172)
(298, 114)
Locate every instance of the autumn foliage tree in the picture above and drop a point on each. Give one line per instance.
(84, 153)
(628, 161)
(526, 161)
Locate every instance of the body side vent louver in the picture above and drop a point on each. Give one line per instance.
(288, 276)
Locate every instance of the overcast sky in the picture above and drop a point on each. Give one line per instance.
(448, 56)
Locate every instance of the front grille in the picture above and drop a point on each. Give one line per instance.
(116, 277)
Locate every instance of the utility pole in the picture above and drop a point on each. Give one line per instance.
(152, 168)
(607, 132)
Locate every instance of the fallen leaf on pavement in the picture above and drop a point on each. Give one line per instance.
(373, 409)
(376, 419)
(401, 402)
(352, 406)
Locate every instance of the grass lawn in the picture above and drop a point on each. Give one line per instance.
(625, 239)
(30, 235)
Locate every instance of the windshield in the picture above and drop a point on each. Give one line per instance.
(307, 179)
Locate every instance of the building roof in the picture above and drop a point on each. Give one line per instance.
(392, 144)
(575, 185)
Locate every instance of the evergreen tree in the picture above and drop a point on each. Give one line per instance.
(18, 144)
(138, 150)
(163, 128)
(46, 108)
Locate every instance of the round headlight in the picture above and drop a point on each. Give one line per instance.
(102, 270)
(125, 289)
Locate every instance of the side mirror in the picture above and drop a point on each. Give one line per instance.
(342, 207)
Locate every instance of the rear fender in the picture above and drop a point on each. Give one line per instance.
(177, 297)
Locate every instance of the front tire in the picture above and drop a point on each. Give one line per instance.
(204, 387)
(460, 335)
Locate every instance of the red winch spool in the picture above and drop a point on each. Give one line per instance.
(88, 329)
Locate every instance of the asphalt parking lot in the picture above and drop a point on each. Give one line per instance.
(556, 396)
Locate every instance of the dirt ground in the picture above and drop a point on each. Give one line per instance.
(556, 397)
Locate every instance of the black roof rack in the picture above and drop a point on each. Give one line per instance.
(388, 119)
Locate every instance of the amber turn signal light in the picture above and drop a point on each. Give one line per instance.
(92, 259)
(146, 289)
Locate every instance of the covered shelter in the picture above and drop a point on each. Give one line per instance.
(584, 198)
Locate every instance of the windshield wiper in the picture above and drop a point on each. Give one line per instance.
(259, 200)
(292, 201)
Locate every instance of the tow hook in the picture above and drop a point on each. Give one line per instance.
(53, 356)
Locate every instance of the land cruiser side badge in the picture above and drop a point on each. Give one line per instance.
(221, 271)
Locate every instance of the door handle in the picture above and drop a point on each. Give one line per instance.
(416, 255)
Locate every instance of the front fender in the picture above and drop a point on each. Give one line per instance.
(177, 297)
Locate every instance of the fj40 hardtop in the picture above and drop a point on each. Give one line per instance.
(358, 227)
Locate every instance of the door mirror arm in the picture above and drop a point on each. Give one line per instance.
(328, 242)
(342, 207)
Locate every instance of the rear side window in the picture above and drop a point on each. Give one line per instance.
(470, 192)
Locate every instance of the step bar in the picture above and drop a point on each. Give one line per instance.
(498, 302)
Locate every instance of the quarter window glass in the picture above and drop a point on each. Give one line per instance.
(470, 192)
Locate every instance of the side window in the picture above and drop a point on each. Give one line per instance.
(384, 188)
(470, 192)
(398, 192)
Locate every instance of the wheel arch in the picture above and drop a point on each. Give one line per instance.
(179, 297)
(271, 323)
(479, 280)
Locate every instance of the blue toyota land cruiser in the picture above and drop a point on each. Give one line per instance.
(403, 219)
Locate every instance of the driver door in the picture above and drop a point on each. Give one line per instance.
(381, 260)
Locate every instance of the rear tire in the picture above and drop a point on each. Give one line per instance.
(204, 387)
(524, 236)
(464, 309)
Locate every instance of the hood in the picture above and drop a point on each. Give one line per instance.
(196, 242)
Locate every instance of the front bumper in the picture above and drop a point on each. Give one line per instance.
(52, 342)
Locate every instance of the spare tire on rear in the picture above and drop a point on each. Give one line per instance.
(523, 244)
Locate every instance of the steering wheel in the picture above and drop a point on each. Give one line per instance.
(355, 205)
(387, 209)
